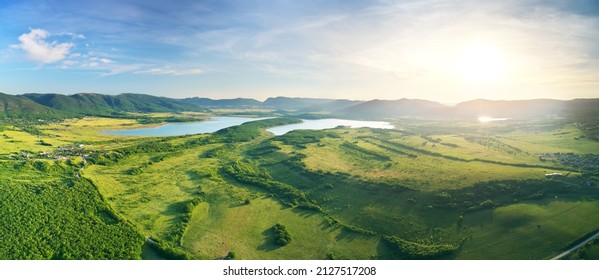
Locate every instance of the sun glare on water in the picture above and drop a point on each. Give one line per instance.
(488, 119)
(480, 63)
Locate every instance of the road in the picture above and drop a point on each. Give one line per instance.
(565, 253)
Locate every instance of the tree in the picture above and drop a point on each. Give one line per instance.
(282, 236)
(230, 255)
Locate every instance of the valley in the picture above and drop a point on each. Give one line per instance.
(429, 188)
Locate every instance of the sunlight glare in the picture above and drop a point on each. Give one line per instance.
(480, 63)
(489, 119)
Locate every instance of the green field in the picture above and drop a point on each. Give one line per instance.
(216, 229)
(426, 190)
(528, 230)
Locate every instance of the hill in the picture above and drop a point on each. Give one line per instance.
(19, 106)
(583, 109)
(223, 103)
(93, 103)
(392, 108)
(332, 106)
(308, 104)
(514, 109)
(579, 109)
(55, 105)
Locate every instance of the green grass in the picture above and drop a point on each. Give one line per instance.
(412, 214)
(14, 140)
(528, 231)
(421, 171)
(432, 184)
(88, 131)
(373, 207)
(154, 198)
(246, 230)
(221, 215)
(567, 139)
(588, 252)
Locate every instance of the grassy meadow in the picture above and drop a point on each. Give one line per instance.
(425, 190)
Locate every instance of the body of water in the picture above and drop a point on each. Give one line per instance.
(176, 129)
(218, 123)
(488, 119)
(327, 123)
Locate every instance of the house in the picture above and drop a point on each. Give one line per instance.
(553, 175)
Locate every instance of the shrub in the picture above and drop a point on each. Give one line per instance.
(282, 236)
(230, 255)
(412, 250)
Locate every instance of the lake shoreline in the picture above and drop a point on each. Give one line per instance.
(217, 123)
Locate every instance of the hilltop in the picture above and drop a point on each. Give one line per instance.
(52, 105)
(20, 106)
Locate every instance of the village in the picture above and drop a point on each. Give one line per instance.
(62, 153)
(583, 162)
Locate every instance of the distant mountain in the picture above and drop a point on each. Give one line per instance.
(509, 109)
(514, 109)
(308, 104)
(93, 103)
(583, 109)
(21, 107)
(131, 102)
(223, 103)
(50, 105)
(332, 106)
(375, 109)
(52, 100)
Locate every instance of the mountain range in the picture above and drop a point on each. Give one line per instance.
(52, 105)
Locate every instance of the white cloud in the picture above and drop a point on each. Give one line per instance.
(101, 60)
(84, 61)
(72, 35)
(120, 69)
(168, 71)
(76, 36)
(69, 62)
(90, 65)
(38, 49)
(413, 40)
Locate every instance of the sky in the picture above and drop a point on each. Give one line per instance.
(442, 50)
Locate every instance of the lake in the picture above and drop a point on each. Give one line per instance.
(488, 119)
(327, 123)
(177, 129)
(218, 123)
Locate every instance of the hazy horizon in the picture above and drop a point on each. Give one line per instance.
(292, 97)
(444, 51)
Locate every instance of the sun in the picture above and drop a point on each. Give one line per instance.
(480, 63)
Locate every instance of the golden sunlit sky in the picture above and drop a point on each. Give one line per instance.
(447, 51)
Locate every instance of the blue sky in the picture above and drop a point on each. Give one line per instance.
(448, 51)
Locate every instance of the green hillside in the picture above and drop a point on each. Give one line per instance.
(396, 194)
(580, 110)
(92, 103)
(431, 188)
(238, 103)
(21, 107)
